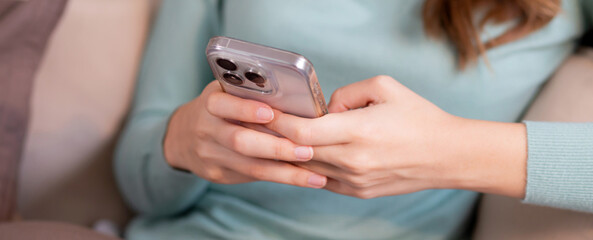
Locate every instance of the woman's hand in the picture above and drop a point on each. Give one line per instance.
(200, 140)
(383, 139)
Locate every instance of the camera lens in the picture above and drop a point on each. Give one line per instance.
(232, 79)
(226, 64)
(255, 78)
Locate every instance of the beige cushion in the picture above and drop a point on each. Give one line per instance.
(567, 97)
(25, 28)
(80, 97)
(35, 230)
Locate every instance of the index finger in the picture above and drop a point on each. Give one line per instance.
(326, 130)
(272, 171)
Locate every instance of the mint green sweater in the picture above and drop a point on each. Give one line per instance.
(347, 41)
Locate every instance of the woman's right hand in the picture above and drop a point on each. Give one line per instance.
(201, 138)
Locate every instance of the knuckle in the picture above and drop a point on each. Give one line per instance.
(206, 152)
(338, 94)
(302, 134)
(213, 85)
(239, 141)
(299, 178)
(273, 125)
(200, 151)
(199, 131)
(224, 178)
(214, 174)
(364, 132)
(257, 172)
(382, 81)
(279, 151)
(360, 164)
(357, 181)
(356, 163)
(201, 134)
(212, 102)
(365, 194)
(350, 165)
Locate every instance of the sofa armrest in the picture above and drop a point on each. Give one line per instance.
(25, 28)
(82, 94)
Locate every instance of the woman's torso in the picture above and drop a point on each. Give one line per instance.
(348, 41)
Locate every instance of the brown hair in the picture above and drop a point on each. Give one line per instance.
(454, 19)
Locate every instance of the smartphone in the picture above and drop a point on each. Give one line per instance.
(284, 80)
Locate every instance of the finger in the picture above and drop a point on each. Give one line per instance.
(361, 94)
(211, 153)
(322, 169)
(331, 154)
(345, 189)
(402, 187)
(213, 86)
(259, 128)
(385, 189)
(228, 176)
(339, 187)
(224, 105)
(272, 171)
(256, 144)
(353, 180)
(328, 154)
(326, 130)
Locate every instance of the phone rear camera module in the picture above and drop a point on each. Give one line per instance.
(226, 64)
(232, 79)
(255, 78)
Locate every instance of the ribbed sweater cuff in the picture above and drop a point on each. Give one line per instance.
(560, 165)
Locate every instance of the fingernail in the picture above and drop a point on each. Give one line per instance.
(317, 180)
(265, 114)
(303, 153)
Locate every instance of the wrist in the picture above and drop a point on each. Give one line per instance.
(168, 144)
(493, 157)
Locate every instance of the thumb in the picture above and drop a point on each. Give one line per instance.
(361, 94)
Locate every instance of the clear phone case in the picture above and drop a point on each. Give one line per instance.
(284, 80)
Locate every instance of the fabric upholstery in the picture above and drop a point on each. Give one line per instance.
(81, 95)
(25, 27)
(48, 231)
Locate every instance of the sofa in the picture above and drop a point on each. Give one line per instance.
(81, 94)
(83, 90)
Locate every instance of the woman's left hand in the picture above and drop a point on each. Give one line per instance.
(382, 139)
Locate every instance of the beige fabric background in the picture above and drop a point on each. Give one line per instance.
(25, 28)
(81, 94)
(34, 230)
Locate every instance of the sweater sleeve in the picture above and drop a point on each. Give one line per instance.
(560, 165)
(173, 72)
